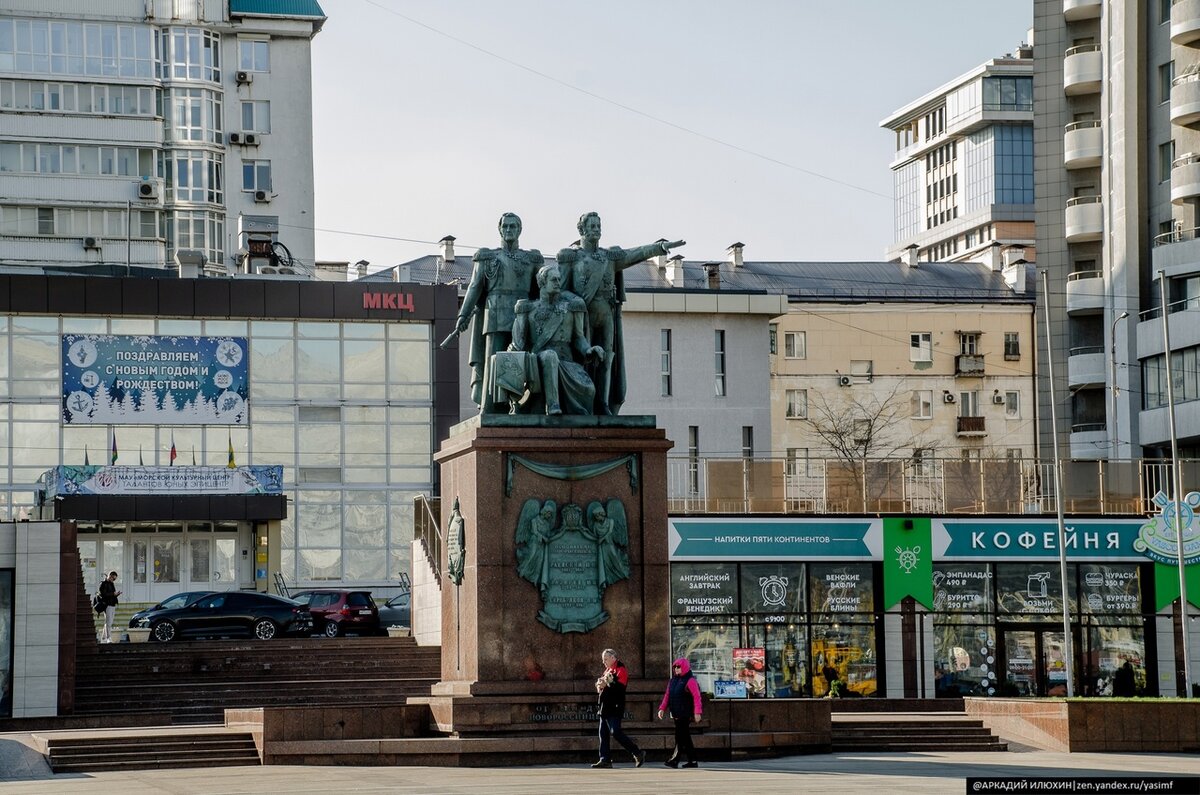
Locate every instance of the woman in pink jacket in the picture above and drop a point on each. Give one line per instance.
(682, 700)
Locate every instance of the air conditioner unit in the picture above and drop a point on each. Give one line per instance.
(267, 269)
(844, 380)
(243, 78)
(948, 397)
(147, 190)
(250, 139)
(287, 271)
(91, 242)
(235, 138)
(998, 399)
(261, 196)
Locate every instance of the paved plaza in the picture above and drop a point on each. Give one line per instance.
(23, 770)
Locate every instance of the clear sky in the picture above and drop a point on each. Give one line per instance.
(432, 117)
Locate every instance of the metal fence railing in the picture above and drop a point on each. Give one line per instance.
(699, 485)
(427, 530)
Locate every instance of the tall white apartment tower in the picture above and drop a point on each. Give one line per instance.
(963, 169)
(134, 129)
(1117, 134)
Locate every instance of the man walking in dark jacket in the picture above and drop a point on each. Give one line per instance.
(108, 595)
(611, 688)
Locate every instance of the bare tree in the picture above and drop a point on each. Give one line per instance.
(869, 436)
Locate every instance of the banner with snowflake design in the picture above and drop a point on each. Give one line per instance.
(154, 380)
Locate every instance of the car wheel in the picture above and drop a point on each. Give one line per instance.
(265, 629)
(332, 629)
(163, 632)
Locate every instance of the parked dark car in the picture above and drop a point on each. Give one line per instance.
(337, 612)
(396, 612)
(171, 602)
(228, 614)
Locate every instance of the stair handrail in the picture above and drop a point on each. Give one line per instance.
(427, 530)
(281, 585)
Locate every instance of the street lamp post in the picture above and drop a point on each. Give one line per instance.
(1112, 359)
(1068, 641)
(1177, 485)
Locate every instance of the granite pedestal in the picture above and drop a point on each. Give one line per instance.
(502, 668)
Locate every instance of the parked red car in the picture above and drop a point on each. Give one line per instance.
(337, 612)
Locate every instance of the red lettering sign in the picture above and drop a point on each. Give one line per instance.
(401, 302)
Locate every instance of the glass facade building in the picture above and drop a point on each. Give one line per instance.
(346, 406)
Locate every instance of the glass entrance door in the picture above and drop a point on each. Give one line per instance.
(1034, 663)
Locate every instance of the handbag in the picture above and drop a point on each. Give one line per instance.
(98, 604)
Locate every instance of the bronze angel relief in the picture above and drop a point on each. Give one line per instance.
(573, 561)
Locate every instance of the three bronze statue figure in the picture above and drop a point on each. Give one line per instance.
(546, 338)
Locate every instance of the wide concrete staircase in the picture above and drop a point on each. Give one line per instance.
(911, 731)
(148, 750)
(194, 682)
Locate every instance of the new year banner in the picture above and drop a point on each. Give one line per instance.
(151, 380)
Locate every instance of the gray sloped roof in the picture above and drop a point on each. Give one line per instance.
(836, 282)
(846, 281)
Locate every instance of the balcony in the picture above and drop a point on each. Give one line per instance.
(1075, 10)
(1185, 21)
(1083, 70)
(1089, 441)
(969, 365)
(1084, 220)
(1083, 145)
(972, 426)
(1085, 292)
(1185, 100)
(1185, 178)
(1085, 365)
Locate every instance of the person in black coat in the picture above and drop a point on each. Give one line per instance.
(682, 700)
(610, 688)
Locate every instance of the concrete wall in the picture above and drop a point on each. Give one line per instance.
(32, 548)
(426, 600)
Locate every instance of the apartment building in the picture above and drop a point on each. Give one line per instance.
(963, 169)
(1117, 129)
(131, 130)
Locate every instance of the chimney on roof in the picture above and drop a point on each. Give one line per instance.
(1025, 50)
(402, 273)
(735, 254)
(995, 259)
(448, 249)
(360, 268)
(908, 258)
(673, 272)
(1012, 254)
(1014, 275)
(660, 260)
(712, 272)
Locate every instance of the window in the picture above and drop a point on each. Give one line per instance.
(1012, 405)
(860, 370)
(1166, 156)
(1164, 11)
(922, 460)
(1008, 93)
(719, 362)
(796, 463)
(747, 441)
(191, 54)
(665, 358)
(795, 344)
(256, 175)
(862, 432)
(920, 347)
(797, 404)
(254, 55)
(968, 343)
(773, 339)
(1013, 454)
(922, 404)
(1166, 74)
(968, 404)
(1012, 346)
(256, 116)
(693, 459)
